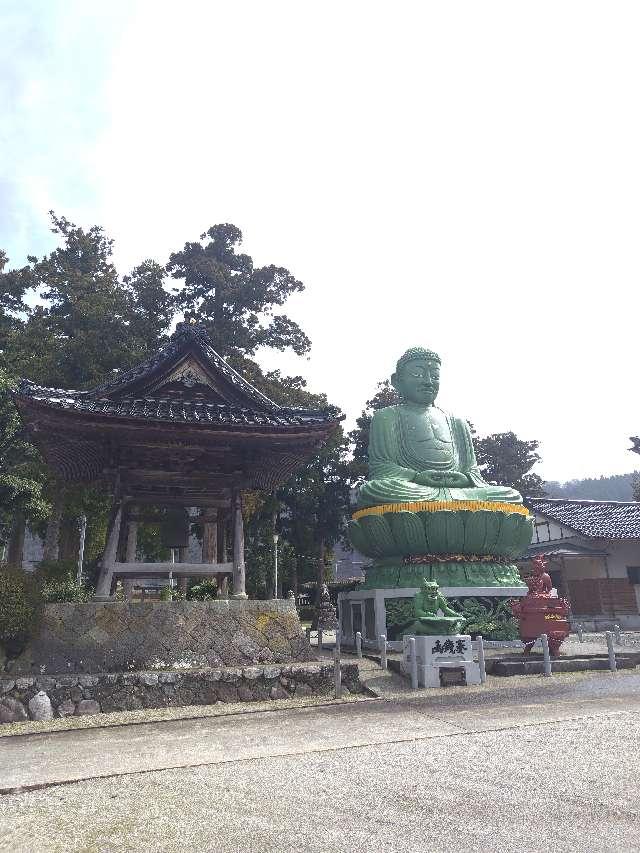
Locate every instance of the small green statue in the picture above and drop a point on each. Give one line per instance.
(428, 603)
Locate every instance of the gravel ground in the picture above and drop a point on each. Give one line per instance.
(565, 786)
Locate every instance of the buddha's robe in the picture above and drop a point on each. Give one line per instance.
(410, 441)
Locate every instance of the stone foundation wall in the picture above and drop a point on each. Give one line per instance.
(131, 635)
(44, 697)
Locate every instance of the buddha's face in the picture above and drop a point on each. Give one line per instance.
(418, 381)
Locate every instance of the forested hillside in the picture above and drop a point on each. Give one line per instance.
(618, 487)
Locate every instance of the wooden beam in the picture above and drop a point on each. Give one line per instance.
(177, 569)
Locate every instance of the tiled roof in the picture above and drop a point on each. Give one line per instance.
(184, 335)
(597, 519)
(560, 549)
(125, 396)
(163, 409)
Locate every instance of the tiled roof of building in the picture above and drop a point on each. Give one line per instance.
(596, 519)
(127, 396)
(184, 335)
(163, 409)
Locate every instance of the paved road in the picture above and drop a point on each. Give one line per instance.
(537, 766)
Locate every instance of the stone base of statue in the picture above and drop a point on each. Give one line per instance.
(389, 611)
(440, 652)
(467, 547)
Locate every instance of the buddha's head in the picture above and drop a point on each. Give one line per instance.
(417, 376)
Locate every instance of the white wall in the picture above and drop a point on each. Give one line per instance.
(545, 530)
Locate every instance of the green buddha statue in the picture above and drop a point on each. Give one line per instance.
(432, 613)
(425, 509)
(418, 452)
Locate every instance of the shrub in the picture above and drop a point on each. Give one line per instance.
(493, 629)
(66, 589)
(57, 570)
(207, 590)
(20, 607)
(306, 613)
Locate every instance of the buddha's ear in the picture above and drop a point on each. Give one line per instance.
(394, 381)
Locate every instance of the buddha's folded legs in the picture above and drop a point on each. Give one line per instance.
(391, 491)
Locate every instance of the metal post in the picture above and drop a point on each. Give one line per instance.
(359, 644)
(319, 640)
(337, 672)
(338, 640)
(545, 652)
(616, 631)
(481, 663)
(383, 651)
(612, 654)
(414, 663)
(82, 521)
(308, 633)
(579, 630)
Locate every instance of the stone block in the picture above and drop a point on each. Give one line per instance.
(430, 650)
(40, 707)
(278, 692)
(148, 679)
(230, 674)
(66, 708)
(24, 683)
(88, 680)
(213, 675)
(303, 690)
(271, 671)
(87, 706)
(226, 692)
(76, 694)
(67, 681)
(167, 677)
(246, 693)
(251, 672)
(12, 711)
(6, 685)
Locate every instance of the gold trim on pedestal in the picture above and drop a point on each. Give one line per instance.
(437, 506)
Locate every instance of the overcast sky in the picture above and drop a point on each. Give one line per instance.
(459, 175)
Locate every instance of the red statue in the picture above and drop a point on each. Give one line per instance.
(540, 613)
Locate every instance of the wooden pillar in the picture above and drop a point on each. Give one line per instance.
(51, 546)
(222, 537)
(130, 556)
(209, 535)
(15, 552)
(238, 547)
(103, 588)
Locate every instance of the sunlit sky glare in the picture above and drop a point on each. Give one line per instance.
(463, 176)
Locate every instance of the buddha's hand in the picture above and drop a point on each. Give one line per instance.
(452, 479)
